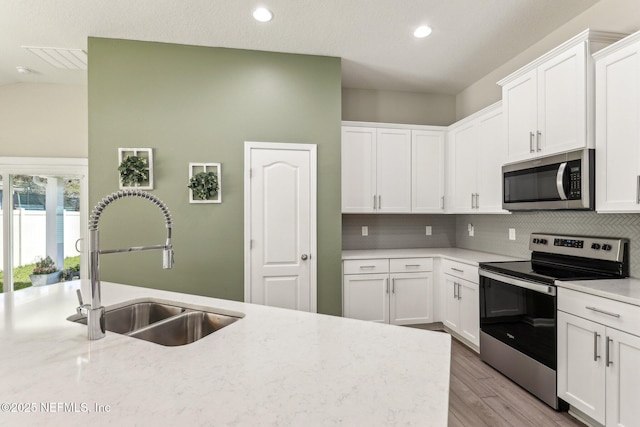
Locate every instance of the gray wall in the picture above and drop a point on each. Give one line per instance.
(398, 107)
(199, 104)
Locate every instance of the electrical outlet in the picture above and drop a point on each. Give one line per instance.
(512, 234)
(427, 230)
(365, 230)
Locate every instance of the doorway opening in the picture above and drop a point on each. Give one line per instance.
(43, 216)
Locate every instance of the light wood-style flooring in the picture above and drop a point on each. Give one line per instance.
(481, 396)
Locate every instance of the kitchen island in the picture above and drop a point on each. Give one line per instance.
(273, 367)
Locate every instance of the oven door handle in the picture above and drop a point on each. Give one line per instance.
(537, 287)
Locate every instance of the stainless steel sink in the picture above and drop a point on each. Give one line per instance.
(184, 329)
(165, 323)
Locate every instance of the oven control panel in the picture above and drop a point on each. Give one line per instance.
(605, 248)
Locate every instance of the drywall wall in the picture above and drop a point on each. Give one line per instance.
(606, 15)
(200, 104)
(398, 107)
(43, 120)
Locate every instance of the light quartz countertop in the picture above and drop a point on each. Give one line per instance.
(274, 367)
(455, 254)
(623, 290)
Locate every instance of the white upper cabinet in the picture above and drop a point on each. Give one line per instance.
(392, 169)
(427, 171)
(358, 169)
(618, 126)
(548, 104)
(477, 150)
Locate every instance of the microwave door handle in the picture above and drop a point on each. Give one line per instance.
(560, 181)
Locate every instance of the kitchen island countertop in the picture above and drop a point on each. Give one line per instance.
(274, 367)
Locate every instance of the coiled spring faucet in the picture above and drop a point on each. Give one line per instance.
(95, 310)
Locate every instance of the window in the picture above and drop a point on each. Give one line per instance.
(44, 210)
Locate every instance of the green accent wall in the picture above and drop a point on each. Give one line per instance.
(200, 104)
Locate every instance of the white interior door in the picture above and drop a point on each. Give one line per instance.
(280, 225)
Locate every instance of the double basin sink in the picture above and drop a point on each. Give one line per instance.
(163, 322)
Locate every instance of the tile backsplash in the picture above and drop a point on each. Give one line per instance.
(397, 231)
(491, 232)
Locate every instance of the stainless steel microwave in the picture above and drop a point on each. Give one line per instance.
(562, 181)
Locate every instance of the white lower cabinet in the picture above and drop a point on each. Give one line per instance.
(461, 300)
(396, 291)
(598, 364)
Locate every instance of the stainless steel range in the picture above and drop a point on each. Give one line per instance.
(518, 304)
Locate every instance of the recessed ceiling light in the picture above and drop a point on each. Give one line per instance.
(422, 31)
(262, 14)
(23, 70)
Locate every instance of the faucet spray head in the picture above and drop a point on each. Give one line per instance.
(167, 257)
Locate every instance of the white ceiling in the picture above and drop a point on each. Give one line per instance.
(374, 37)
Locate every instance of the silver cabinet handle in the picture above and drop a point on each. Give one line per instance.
(608, 313)
(442, 197)
(459, 289)
(538, 135)
(393, 286)
(595, 346)
(367, 266)
(387, 279)
(477, 201)
(412, 265)
(531, 149)
(473, 201)
(638, 190)
(379, 201)
(375, 206)
(607, 353)
(457, 269)
(455, 289)
(304, 257)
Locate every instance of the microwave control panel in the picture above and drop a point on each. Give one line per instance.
(575, 181)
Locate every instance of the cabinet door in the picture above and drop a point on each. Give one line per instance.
(411, 298)
(581, 364)
(427, 171)
(464, 141)
(358, 169)
(366, 297)
(393, 170)
(520, 105)
(451, 316)
(562, 103)
(623, 379)
(617, 131)
(469, 300)
(492, 154)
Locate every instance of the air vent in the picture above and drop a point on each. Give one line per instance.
(66, 59)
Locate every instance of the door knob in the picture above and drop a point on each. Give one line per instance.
(304, 257)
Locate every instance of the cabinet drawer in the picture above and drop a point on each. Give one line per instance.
(616, 314)
(364, 266)
(407, 265)
(460, 270)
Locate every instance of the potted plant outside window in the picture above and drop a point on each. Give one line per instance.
(45, 272)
